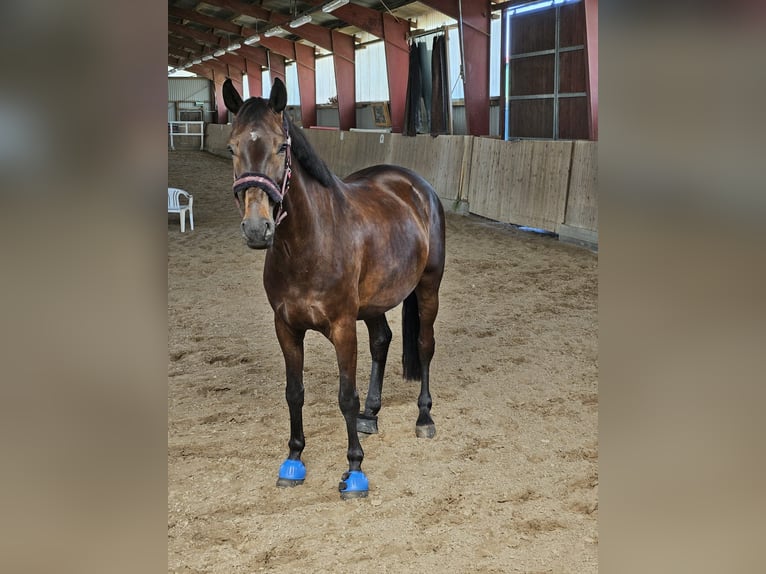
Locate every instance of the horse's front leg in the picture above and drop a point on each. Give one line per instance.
(343, 336)
(293, 472)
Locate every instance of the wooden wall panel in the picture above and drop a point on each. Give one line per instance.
(443, 161)
(327, 144)
(582, 201)
(520, 182)
(363, 149)
(347, 152)
(544, 204)
(492, 165)
(524, 182)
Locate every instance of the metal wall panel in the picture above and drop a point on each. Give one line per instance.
(189, 90)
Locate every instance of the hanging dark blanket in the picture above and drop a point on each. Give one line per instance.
(414, 93)
(426, 77)
(440, 97)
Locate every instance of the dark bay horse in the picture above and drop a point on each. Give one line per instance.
(337, 251)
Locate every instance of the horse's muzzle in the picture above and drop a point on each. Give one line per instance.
(259, 233)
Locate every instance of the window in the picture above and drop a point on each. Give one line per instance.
(291, 83)
(371, 77)
(543, 71)
(325, 80)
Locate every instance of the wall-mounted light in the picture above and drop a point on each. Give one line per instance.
(253, 39)
(273, 31)
(329, 7)
(219, 53)
(305, 19)
(233, 47)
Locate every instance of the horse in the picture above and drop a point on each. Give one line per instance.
(337, 251)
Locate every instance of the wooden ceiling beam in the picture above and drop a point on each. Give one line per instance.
(233, 60)
(203, 37)
(244, 9)
(256, 54)
(185, 43)
(194, 16)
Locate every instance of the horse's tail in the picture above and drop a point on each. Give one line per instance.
(410, 332)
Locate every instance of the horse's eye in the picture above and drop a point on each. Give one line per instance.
(231, 150)
(282, 148)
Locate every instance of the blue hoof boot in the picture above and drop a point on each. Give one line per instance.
(353, 484)
(291, 473)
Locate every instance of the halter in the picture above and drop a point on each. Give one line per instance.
(264, 182)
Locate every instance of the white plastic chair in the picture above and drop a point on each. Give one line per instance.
(175, 206)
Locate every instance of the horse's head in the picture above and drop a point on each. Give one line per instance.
(260, 149)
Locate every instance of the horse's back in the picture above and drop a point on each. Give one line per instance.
(375, 183)
(393, 192)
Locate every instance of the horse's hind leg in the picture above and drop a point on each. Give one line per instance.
(293, 472)
(427, 293)
(380, 339)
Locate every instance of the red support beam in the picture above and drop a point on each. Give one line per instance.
(256, 58)
(591, 54)
(200, 71)
(279, 45)
(237, 81)
(394, 34)
(315, 34)
(276, 66)
(255, 53)
(306, 62)
(342, 47)
(216, 66)
(234, 61)
(222, 115)
(345, 78)
(397, 62)
(473, 26)
(254, 78)
(367, 19)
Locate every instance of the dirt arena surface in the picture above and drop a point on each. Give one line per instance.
(509, 483)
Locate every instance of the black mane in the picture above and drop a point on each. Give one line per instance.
(253, 110)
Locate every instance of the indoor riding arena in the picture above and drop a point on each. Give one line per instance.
(509, 482)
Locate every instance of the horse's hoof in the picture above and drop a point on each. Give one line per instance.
(291, 473)
(353, 484)
(425, 431)
(367, 424)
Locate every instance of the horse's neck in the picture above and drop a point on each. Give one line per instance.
(309, 207)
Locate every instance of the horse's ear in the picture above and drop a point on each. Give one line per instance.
(231, 97)
(278, 97)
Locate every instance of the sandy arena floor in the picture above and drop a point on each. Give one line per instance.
(509, 483)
